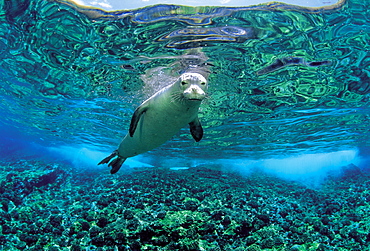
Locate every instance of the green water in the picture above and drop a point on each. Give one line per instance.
(72, 78)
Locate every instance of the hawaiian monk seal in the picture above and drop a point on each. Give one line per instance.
(161, 116)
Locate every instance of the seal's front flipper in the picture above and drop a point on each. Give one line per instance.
(196, 129)
(116, 164)
(107, 159)
(136, 117)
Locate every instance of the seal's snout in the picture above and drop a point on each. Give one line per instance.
(194, 92)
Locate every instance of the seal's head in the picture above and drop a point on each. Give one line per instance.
(193, 86)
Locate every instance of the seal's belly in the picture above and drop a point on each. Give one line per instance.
(154, 128)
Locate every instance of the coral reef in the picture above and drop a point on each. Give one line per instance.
(56, 207)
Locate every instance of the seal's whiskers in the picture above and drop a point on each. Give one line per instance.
(177, 97)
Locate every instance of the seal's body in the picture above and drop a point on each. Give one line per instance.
(161, 116)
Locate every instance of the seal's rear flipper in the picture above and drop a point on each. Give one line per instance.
(116, 164)
(107, 159)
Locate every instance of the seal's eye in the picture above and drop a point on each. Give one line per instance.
(183, 83)
(202, 83)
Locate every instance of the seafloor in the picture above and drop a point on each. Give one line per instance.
(58, 207)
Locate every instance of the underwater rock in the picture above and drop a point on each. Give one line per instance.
(207, 228)
(29, 239)
(104, 201)
(3, 239)
(351, 171)
(8, 229)
(75, 247)
(94, 231)
(297, 248)
(217, 215)
(191, 204)
(245, 228)
(253, 247)
(146, 233)
(267, 243)
(226, 221)
(109, 239)
(84, 225)
(48, 178)
(98, 241)
(133, 224)
(55, 220)
(253, 204)
(161, 241)
(102, 221)
(128, 214)
(21, 181)
(264, 217)
(161, 215)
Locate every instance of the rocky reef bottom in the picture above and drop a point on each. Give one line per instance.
(57, 207)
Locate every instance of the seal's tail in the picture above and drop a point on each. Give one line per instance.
(115, 164)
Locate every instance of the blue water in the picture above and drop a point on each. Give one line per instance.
(81, 93)
(288, 90)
